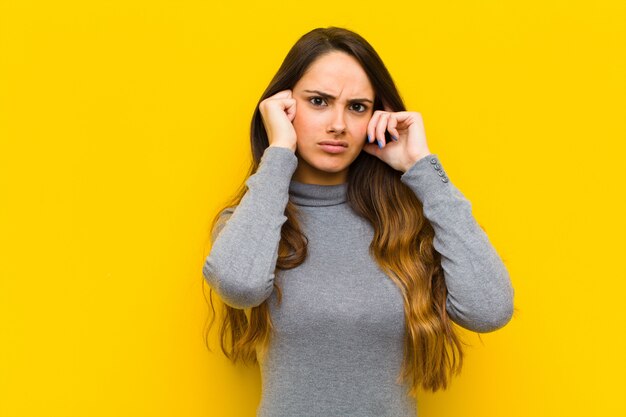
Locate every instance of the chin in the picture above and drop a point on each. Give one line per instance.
(329, 169)
(324, 162)
(332, 166)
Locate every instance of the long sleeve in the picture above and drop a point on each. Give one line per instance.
(480, 294)
(240, 266)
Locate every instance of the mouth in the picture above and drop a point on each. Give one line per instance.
(333, 146)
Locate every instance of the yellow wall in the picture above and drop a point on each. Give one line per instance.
(123, 127)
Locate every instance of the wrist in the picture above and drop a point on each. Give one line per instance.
(281, 145)
(412, 161)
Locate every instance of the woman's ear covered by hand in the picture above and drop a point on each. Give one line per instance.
(278, 112)
(407, 131)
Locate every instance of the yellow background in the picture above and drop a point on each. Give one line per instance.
(124, 126)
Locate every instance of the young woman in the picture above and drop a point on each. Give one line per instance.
(344, 261)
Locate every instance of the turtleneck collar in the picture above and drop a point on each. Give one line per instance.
(316, 195)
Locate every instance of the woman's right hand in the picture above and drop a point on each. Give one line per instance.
(278, 112)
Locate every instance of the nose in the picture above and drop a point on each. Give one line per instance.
(337, 123)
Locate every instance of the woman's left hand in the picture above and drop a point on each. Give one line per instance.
(409, 138)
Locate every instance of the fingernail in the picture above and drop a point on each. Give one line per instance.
(367, 139)
(379, 144)
(394, 138)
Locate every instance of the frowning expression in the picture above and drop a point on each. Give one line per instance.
(334, 103)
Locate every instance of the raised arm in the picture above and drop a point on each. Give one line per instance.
(240, 266)
(480, 294)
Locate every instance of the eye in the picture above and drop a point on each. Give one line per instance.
(362, 107)
(316, 101)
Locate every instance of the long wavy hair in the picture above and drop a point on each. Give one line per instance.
(403, 237)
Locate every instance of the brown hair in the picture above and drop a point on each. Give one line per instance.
(403, 237)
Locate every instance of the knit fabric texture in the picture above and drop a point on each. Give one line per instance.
(339, 334)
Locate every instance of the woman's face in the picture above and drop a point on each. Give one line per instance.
(334, 103)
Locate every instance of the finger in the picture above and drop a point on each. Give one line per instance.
(372, 149)
(406, 118)
(290, 108)
(401, 118)
(391, 127)
(381, 126)
(283, 94)
(281, 103)
(371, 127)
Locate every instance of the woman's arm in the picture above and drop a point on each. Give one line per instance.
(240, 266)
(480, 294)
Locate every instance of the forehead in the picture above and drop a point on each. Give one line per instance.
(336, 73)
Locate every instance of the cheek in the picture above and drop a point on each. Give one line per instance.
(360, 126)
(303, 123)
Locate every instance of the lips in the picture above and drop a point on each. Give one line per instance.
(333, 147)
(334, 143)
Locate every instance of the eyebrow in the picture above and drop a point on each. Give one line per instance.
(326, 95)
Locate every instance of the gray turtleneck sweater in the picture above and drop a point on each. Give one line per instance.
(338, 343)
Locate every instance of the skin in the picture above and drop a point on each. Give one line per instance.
(299, 119)
(318, 118)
